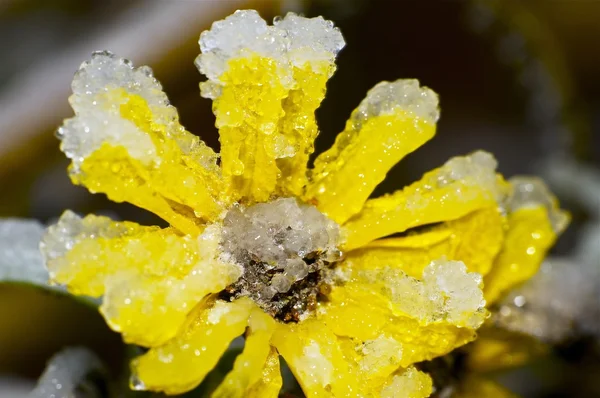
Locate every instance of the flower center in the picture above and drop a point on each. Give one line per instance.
(287, 250)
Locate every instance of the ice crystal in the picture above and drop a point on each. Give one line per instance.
(532, 192)
(281, 244)
(291, 41)
(446, 291)
(388, 98)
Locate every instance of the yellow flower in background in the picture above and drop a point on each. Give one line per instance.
(350, 291)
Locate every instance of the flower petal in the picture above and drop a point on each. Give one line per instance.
(183, 362)
(474, 239)
(314, 356)
(496, 350)
(462, 185)
(409, 383)
(528, 239)
(150, 278)
(477, 387)
(250, 365)
(266, 82)
(427, 318)
(269, 385)
(126, 141)
(393, 120)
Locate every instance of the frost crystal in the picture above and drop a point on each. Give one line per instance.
(20, 257)
(388, 98)
(445, 292)
(532, 192)
(97, 108)
(72, 229)
(478, 168)
(100, 87)
(291, 41)
(65, 373)
(379, 353)
(282, 246)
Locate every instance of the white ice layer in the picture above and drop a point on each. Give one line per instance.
(532, 192)
(97, 108)
(20, 257)
(447, 291)
(280, 233)
(387, 98)
(478, 168)
(291, 41)
(65, 372)
(72, 229)
(100, 87)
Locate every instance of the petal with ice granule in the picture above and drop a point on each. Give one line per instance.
(474, 239)
(125, 140)
(392, 121)
(408, 383)
(183, 362)
(151, 278)
(461, 186)
(364, 315)
(313, 354)
(266, 82)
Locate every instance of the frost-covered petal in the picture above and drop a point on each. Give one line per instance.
(428, 317)
(462, 185)
(408, 383)
(312, 352)
(474, 239)
(151, 278)
(125, 140)
(266, 82)
(183, 362)
(391, 122)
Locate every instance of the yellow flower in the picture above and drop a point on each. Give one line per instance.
(299, 261)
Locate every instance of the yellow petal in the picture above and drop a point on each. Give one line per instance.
(298, 127)
(461, 186)
(183, 362)
(477, 387)
(393, 120)
(529, 237)
(126, 141)
(474, 239)
(248, 110)
(365, 315)
(314, 356)
(496, 349)
(150, 278)
(269, 385)
(250, 365)
(266, 85)
(409, 383)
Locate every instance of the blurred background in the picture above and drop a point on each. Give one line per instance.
(519, 79)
